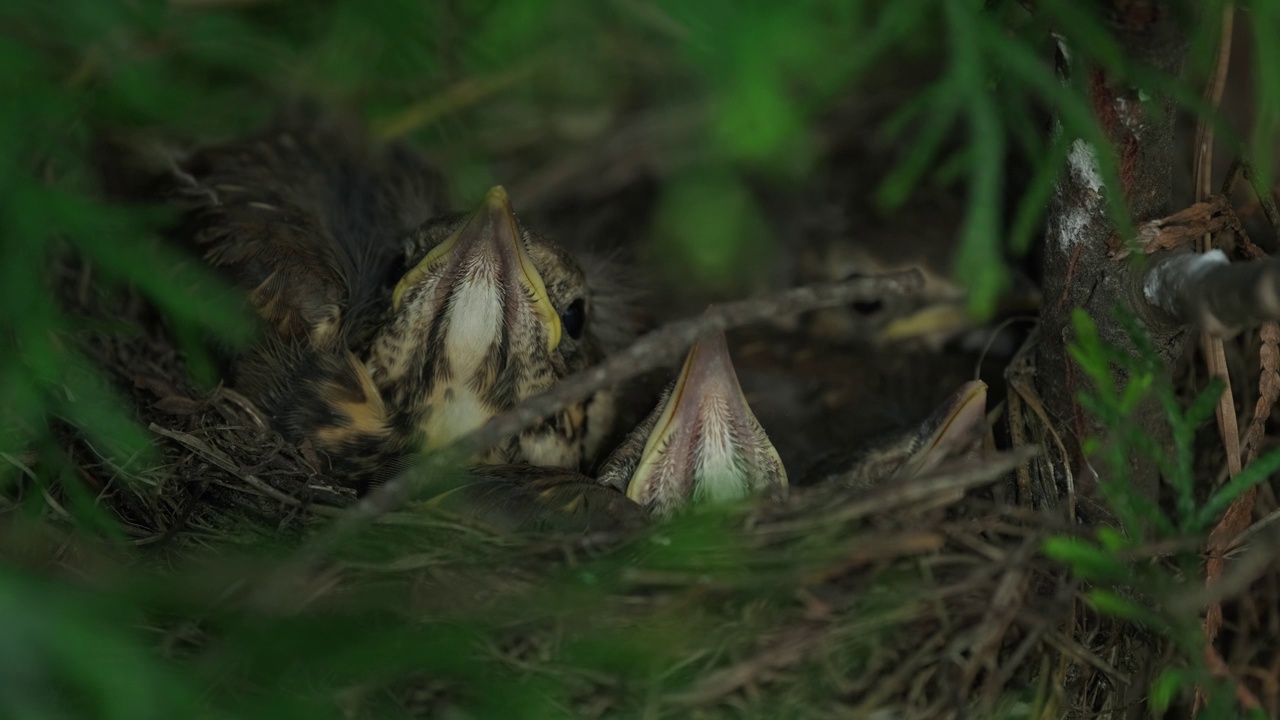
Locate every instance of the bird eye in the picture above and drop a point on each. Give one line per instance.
(396, 269)
(574, 318)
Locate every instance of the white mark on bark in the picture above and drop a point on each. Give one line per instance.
(1084, 163)
(1071, 227)
(1073, 222)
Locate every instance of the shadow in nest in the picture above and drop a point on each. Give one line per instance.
(928, 599)
(920, 601)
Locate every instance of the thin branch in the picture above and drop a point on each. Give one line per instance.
(656, 349)
(1177, 230)
(219, 458)
(1235, 580)
(1214, 354)
(1206, 291)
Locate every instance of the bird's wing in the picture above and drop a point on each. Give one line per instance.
(324, 395)
(307, 216)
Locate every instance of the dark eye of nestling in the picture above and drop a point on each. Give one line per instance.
(396, 269)
(864, 308)
(574, 318)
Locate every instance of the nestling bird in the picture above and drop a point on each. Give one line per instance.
(391, 326)
(953, 428)
(701, 443)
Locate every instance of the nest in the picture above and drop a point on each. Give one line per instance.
(928, 600)
(931, 600)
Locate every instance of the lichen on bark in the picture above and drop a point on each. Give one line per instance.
(1078, 273)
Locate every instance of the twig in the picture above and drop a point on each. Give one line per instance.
(457, 97)
(1215, 356)
(782, 652)
(1206, 291)
(1182, 228)
(220, 459)
(1242, 573)
(656, 349)
(1072, 648)
(1215, 359)
(954, 478)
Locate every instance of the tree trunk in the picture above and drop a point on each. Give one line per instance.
(1079, 274)
(1077, 270)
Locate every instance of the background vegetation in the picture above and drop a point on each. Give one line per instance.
(737, 89)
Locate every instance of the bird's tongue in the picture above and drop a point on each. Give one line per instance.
(706, 443)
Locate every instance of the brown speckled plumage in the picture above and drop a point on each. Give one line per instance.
(318, 223)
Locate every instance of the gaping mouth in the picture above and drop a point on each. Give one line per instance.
(490, 237)
(954, 426)
(706, 443)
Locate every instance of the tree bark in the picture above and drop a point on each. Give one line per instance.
(1077, 270)
(1078, 273)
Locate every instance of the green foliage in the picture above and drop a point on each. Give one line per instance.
(1144, 378)
(455, 74)
(1132, 587)
(754, 75)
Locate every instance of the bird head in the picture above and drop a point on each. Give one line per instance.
(486, 314)
(955, 426)
(701, 443)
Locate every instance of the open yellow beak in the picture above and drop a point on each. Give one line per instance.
(706, 443)
(490, 235)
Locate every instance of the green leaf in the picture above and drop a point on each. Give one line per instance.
(1258, 471)
(1202, 408)
(1166, 687)
(1088, 352)
(1265, 22)
(905, 176)
(979, 265)
(1112, 539)
(1137, 389)
(1035, 199)
(709, 231)
(1106, 601)
(1074, 112)
(1086, 560)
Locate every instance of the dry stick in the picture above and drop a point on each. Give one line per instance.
(1208, 292)
(1237, 579)
(217, 457)
(955, 479)
(656, 349)
(1215, 356)
(459, 96)
(1268, 389)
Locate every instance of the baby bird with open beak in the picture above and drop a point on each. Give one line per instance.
(701, 443)
(389, 326)
(488, 315)
(952, 429)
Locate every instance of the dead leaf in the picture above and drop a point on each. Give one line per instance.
(1181, 228)
(178, 405)
(156, 386)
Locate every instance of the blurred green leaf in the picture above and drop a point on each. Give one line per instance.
(1086, 560)
(710, 231)
(1165, 688)
(1110, 603)
(1257, 471)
